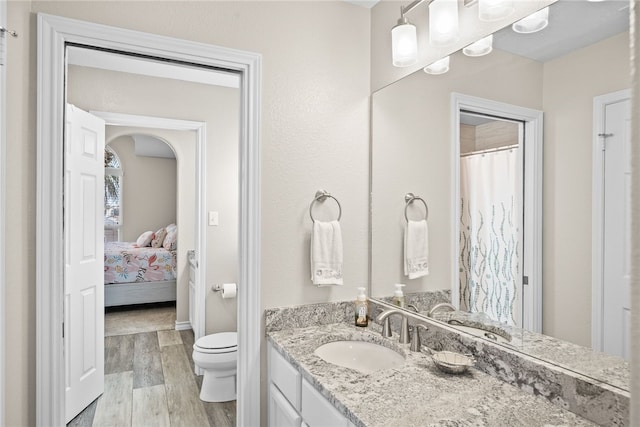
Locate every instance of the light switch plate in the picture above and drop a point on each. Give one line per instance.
(213, 218)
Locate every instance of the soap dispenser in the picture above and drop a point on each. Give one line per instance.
(398, 296)
(362, 309)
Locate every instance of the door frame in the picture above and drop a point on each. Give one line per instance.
(597, 214)
(533, 135)
(200, 129)
(3, 176)
(53, 34)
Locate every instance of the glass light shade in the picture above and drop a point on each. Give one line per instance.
(482, 47)
(404, 45)
(443, 22)
(532, 23)
(494, 10)
(441, 66)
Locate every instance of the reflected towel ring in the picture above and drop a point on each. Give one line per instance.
(410, 198)
(321, 195)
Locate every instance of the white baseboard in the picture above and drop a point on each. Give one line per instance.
(183, 326)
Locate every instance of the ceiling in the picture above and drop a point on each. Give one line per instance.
(573, 24)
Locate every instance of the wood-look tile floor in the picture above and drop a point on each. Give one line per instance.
(149, 381)
(127, 320)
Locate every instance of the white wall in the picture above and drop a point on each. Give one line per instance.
(570, 84)
(222, 197)
(315, 121)
(149, 187)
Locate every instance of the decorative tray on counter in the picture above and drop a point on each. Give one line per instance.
(452, 363)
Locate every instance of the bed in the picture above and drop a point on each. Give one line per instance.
(138, 275)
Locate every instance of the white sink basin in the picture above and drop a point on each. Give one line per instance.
(362, 356)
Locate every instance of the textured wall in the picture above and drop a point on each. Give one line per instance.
(315, 128)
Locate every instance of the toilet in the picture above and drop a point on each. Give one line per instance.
(217, 355)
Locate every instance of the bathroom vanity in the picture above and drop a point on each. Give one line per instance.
(306, 390)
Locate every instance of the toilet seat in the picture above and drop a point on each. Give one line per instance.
(222, 342)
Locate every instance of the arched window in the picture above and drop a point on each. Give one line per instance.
(112, 196)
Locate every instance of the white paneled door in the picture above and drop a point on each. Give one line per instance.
(616, 231)
(84, 249)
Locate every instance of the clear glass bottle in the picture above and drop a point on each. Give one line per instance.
(362, 309)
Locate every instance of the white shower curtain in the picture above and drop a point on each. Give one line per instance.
(489, 234)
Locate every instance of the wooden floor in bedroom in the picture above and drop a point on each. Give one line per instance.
(149, 381)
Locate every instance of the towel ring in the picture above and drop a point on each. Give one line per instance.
(321, 195)
(410, 198)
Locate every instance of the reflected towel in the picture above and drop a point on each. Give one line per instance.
(416, 249)
(326, 253)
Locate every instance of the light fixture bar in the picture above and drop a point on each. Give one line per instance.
(408, 8)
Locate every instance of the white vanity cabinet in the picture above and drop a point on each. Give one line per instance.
(293, 401)
(281, 413)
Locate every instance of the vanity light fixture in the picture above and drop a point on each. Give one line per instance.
(404, 43)
(441, 66)
(404, 40)
(482, 47)
(535, 22)
(494, 10)
(443, 22)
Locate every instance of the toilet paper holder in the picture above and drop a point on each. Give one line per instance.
(218, 287)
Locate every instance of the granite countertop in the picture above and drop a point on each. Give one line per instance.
(609, 369)
(417, 394)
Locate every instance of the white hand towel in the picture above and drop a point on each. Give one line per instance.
(416, 249)
(326, 253)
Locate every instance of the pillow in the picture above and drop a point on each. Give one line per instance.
(171, 227)
(145, 239)
(171, 240)
(158, 240)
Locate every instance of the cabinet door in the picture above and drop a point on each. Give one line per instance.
(284, 376)
(281, 413)
(317, 411)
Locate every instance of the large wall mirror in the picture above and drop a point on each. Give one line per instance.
(571, 73)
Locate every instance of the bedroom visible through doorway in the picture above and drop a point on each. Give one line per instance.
(140, 198)
(140, 266)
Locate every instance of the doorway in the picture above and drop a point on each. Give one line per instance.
(611, 311)
(54, 34)
(530, 270)
(491, 216)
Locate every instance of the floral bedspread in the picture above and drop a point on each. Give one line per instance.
(126, 263)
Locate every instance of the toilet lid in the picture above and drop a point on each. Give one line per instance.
(226, 341)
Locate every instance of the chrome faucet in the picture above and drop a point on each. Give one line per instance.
(415, 340)
(442, 305)
(386, 327)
